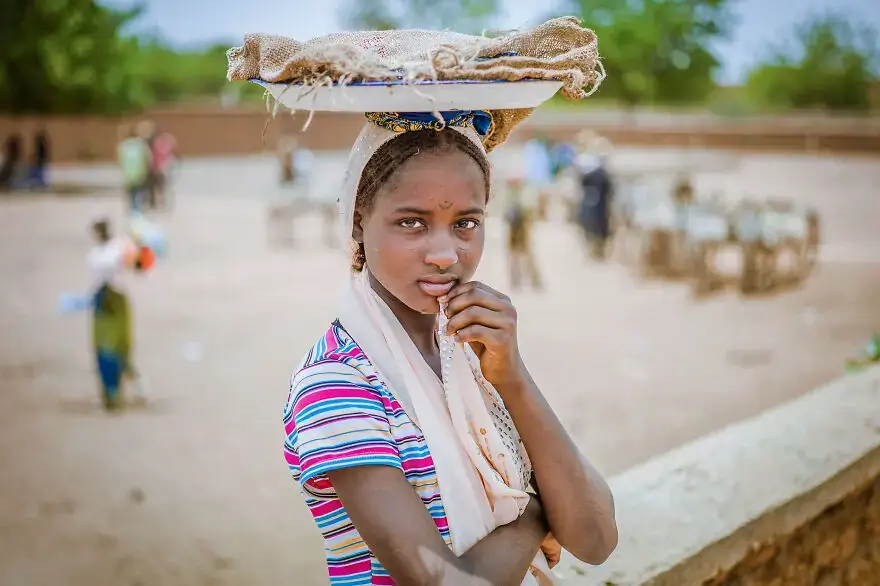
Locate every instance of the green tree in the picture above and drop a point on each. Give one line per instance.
(170, 76)
(73, 57)
(67, 56)
(831, 66)
(465, 16)
(656, 51)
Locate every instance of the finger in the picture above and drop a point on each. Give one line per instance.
(476, 297)
(463, 288)
(479, 334)
(492, 291)
(476, 315)
(459, 289)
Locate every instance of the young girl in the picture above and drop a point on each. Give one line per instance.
(424, 449)
(381, 464)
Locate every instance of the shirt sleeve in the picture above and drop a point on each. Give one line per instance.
(336, 419)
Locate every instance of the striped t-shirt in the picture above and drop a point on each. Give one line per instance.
(340, 414)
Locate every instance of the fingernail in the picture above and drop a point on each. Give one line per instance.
(443, 299)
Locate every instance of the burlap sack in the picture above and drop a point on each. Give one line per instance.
(559, 50)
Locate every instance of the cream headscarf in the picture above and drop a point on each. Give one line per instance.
(484, 472)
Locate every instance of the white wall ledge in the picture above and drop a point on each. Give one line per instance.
(699, 507)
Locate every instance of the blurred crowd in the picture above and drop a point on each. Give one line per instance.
(550, 166)
(655, 219)
(146, 158)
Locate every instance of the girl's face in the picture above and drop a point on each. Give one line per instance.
(423, 232)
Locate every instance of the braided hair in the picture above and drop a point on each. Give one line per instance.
(389, 157)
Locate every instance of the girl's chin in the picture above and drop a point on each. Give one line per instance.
(430, 310)
(426, 305)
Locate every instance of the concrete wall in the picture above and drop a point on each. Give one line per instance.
(211, 132)
(789, 498)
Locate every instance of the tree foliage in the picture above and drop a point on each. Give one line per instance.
(66, 56)
(831, 66)
(171, 76)
(656, 50)
(73, 56)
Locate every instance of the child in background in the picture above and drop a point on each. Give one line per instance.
(134, 159)
(519, 218)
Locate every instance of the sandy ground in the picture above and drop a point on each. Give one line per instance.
(194, 491)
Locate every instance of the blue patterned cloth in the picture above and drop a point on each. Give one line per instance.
(411, 121)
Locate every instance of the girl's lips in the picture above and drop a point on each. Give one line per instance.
(436, 289)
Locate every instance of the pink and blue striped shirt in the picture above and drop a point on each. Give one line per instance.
(340, 414)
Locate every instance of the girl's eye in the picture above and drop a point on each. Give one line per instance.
(468, 224)
(411, 223)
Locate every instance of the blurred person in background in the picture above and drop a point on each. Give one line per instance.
(286, 147)
(164, 156)
(683, 190)
(595, 206)
(562, 156)
(10, 171)
(134, 159)
(539, 170)
(304, 168)
(146, 130)
(41, 157)
(519, 217)
(111, 324)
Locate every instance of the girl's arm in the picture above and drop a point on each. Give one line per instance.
(396, 526)
(338, 431)
(576, 500)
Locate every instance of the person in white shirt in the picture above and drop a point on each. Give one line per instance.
(111, 330)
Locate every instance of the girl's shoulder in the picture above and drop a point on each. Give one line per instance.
(335, 346)
(335, 366)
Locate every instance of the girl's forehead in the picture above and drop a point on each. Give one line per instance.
(436, 167)
(444, 186)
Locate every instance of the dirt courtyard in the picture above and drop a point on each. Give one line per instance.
(193, 490)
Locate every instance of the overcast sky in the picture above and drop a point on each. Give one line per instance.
(760, 23)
